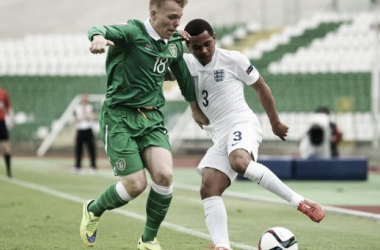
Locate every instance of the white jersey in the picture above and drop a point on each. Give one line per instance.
(220, 84)
(220, 94)
(84, 116)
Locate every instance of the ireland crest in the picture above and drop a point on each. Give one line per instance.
(219, 75)
(120, 164)
(173, 49)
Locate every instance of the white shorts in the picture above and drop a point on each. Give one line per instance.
(244, 135)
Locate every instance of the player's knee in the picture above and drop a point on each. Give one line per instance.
(205, 192)
(163, 178)
(239, 164)
(135, 187)
(208, 191)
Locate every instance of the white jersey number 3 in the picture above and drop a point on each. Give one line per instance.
(205, 96)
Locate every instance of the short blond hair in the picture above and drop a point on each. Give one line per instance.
(159, 3)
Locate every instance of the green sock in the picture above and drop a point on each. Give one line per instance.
(156, 208)
(107, 201)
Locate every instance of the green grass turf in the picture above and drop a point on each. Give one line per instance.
(33, 219)
(326, 192)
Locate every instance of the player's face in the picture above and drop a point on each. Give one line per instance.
(165, 20)
(203, 47)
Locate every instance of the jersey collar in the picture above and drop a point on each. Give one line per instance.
(210, 64)
(152, 32)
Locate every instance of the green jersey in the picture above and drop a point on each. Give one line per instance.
(137, 64)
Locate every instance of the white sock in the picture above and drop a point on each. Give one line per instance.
(122, 192)
(260, 174)
(162, 189)
(216, 221)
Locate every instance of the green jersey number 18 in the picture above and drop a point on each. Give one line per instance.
(160, 65)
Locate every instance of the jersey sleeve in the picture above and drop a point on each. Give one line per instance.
(188, 60)
(119, 33)
(245, 70)
(183, 76)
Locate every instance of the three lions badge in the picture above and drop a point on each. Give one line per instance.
(219, 75)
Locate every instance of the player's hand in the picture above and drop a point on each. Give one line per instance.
(99, 44)
(10, 125)
(280, 129)
(200, 118)
(185, 36)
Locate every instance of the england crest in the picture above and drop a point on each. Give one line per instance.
(219, 75)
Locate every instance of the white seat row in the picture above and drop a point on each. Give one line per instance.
(350, 48)
(50, 54)
(354, 126)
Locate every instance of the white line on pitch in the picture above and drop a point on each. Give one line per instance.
(77, 199)
(331, 209)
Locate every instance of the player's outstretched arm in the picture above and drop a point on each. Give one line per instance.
(198, 116)
(99, 44)
(268, 103)
(185, 36)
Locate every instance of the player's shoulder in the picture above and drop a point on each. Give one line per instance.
(176, 38)
(190, 62)
(135, 29)
(230, 56)
(229, 53)
(189, 59)
(132, 25)
(135, 22)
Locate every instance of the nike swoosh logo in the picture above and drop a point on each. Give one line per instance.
(233, 144)
(92, 238)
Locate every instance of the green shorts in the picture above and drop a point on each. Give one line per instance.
(126, 132)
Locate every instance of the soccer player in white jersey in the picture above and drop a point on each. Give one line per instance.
(220, 76)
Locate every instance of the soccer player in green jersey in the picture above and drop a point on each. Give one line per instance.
(131, 123)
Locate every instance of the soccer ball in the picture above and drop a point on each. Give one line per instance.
(278, 238)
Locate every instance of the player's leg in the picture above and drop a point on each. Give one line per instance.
(214, 183)
(243, 150)
(157, 158)
(116, 195)
(7, 157)
(90, 140)
(263, 176)
(243, 163)
(217, 175)
(132, 183)
(78, 150)
(123, 153)
(159, 163)
(5, 147)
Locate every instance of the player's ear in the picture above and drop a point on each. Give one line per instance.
(153, 14)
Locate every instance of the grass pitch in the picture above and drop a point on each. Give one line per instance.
(41, 208)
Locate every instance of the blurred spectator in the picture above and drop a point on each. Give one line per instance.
(5, 110)
(316, 141)
(84, 115)
(336, 134)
